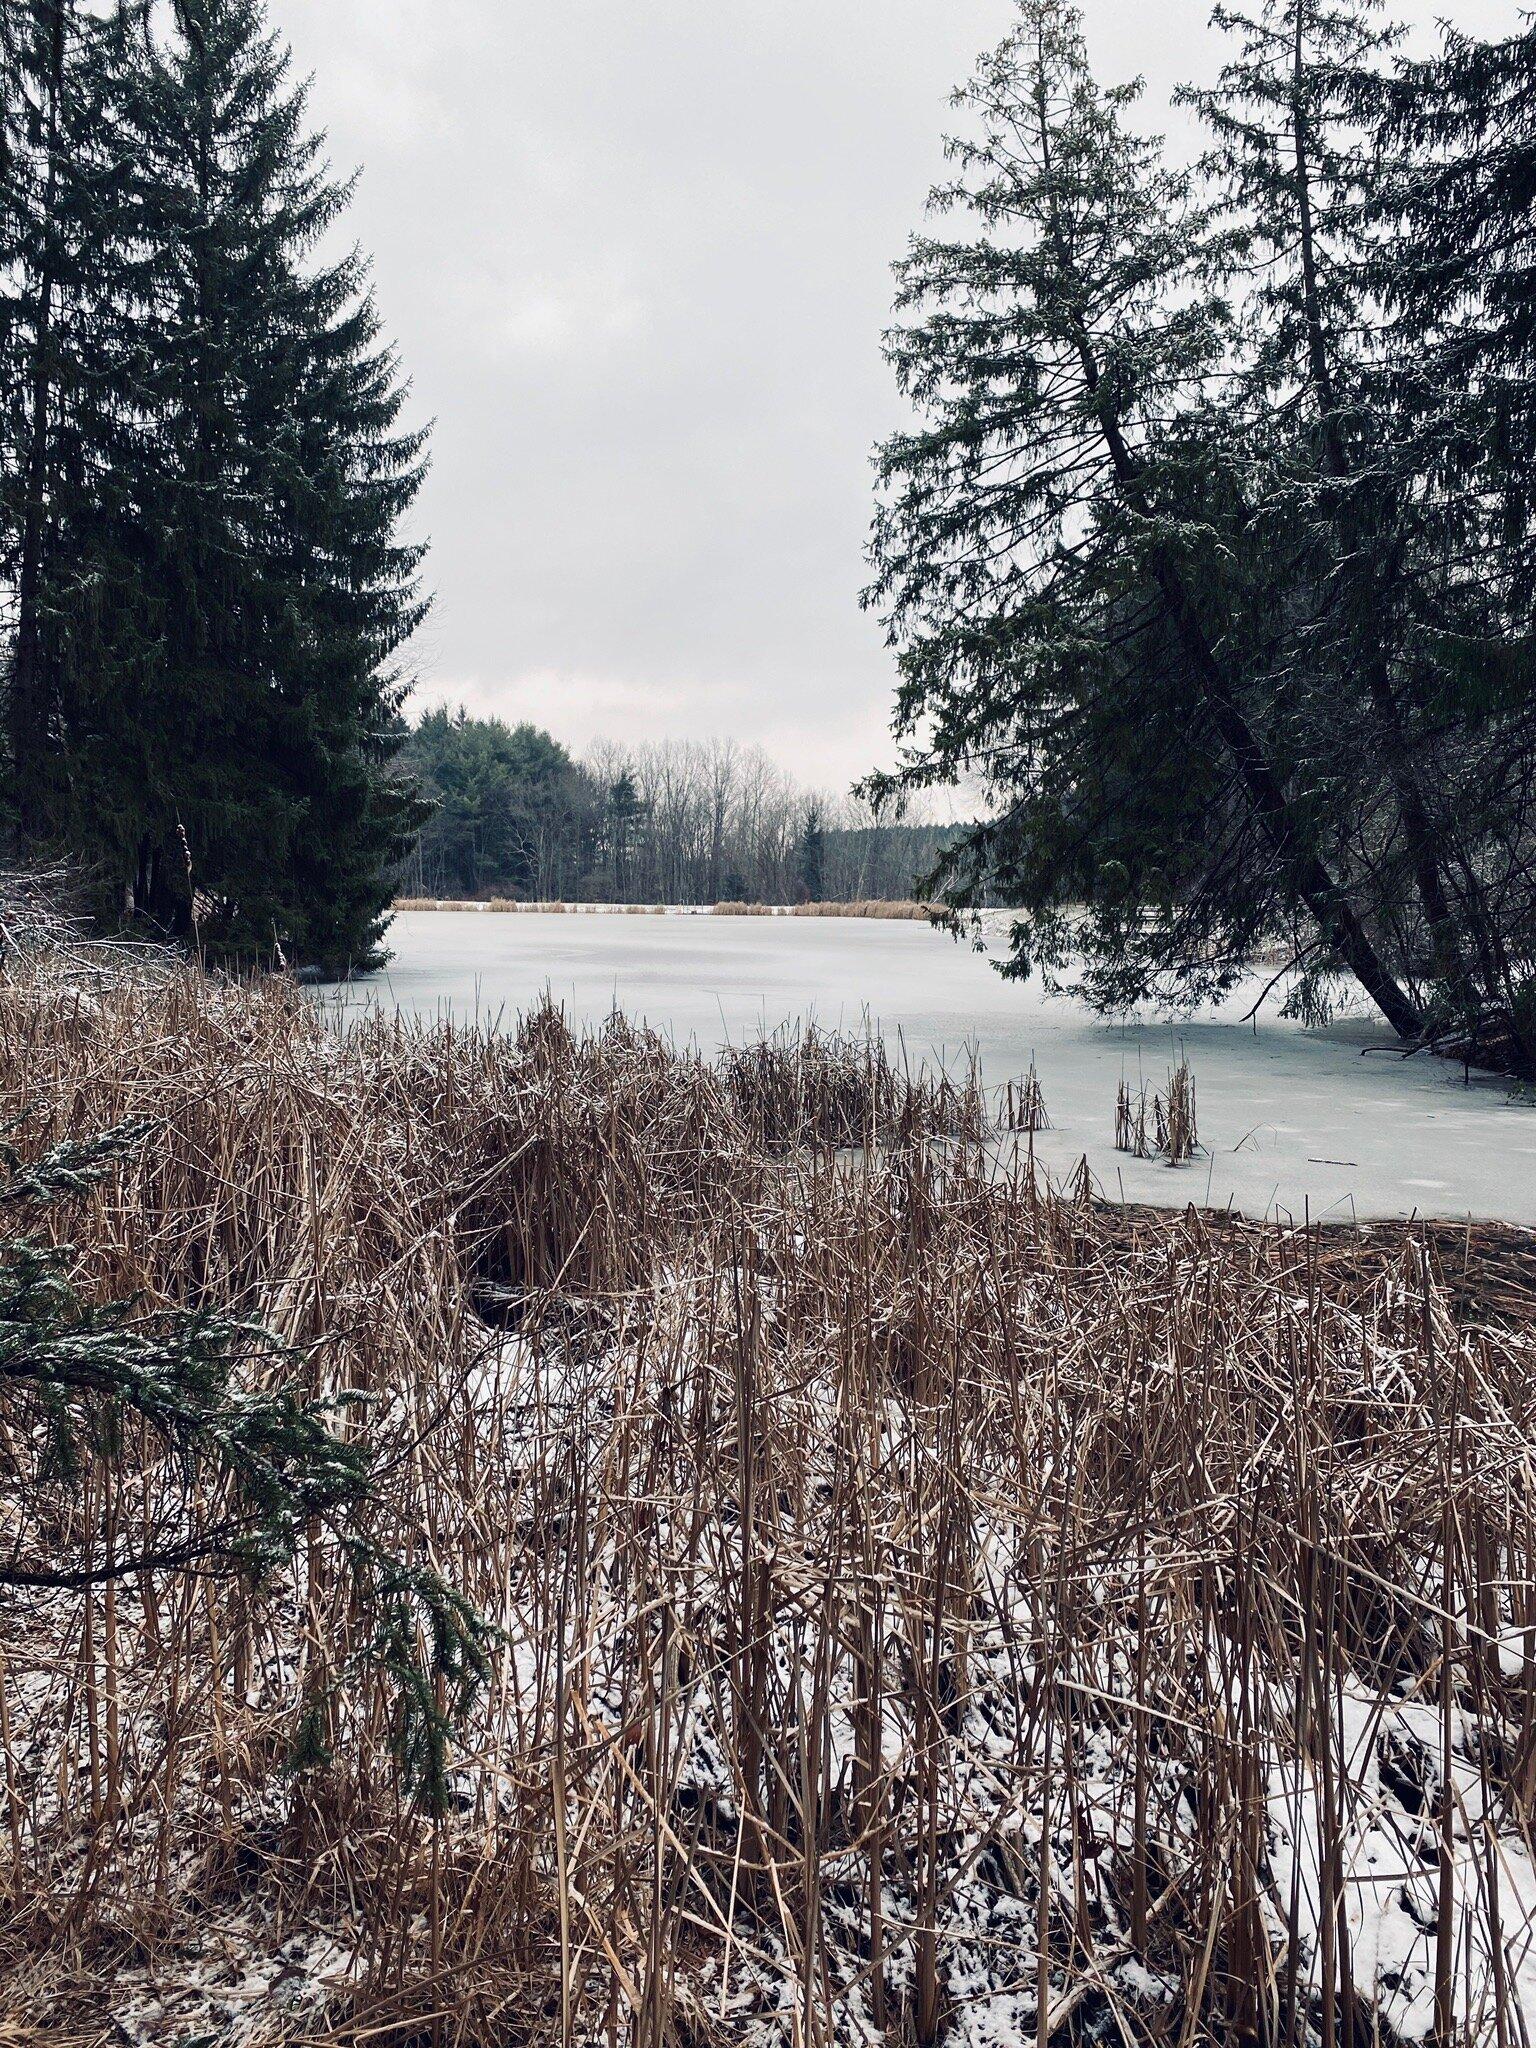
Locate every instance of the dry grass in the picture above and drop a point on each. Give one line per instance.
(934, 1608)
(873, 908)
(511, 904)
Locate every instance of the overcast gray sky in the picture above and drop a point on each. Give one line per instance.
(636, 256)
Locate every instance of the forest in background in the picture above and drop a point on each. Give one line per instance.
(512, 813)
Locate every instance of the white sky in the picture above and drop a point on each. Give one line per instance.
(636, 257)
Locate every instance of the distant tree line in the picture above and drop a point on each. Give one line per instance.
(1211, 545)
(512, 813)
(202, 472)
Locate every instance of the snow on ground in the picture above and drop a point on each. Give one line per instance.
(1329, 1125)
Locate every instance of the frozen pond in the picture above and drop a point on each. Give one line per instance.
(1294, 1122)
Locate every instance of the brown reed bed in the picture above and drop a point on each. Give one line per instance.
(898, 911)
(871, 908)
(932, 1608)
(511, 904)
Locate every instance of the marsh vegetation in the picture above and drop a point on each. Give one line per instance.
(928, 1604)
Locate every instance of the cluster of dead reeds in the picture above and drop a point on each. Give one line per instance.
(806, 1084)
(1162, 1127)
(1023, 1104)
(932, 1607)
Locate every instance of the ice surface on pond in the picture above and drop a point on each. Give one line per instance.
(1291, 1121)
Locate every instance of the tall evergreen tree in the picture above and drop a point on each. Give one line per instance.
(812, 853)
(282, 586)
(1055, 556)
(229, 715)
(1459, 220)
(61, 414)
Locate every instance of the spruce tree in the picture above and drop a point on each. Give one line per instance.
(811, 857)
(1458, 220)
(282, 586)
(1057, 558)
(212, 722)
(65, 431)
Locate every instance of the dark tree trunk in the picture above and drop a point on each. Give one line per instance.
(29, 709)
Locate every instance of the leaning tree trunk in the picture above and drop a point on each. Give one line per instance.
(1329, 903)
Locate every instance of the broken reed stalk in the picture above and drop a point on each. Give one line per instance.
(1131, 1120)
(926, 1599)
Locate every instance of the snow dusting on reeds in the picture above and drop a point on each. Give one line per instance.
(934, 1607)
